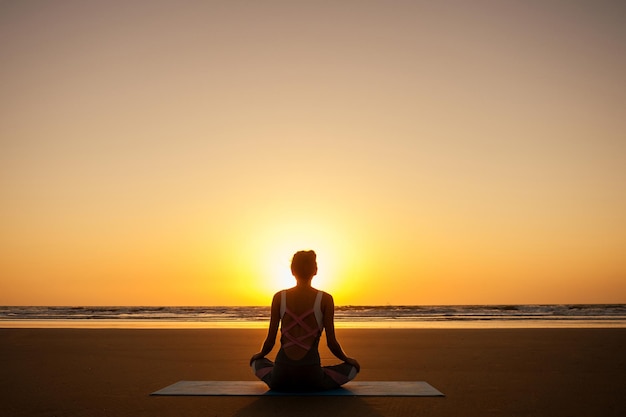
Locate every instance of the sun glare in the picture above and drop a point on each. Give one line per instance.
(273, 250)
(277, 264)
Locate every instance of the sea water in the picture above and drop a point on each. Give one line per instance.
(465, 316)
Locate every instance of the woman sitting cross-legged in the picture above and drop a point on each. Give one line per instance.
(303, 313)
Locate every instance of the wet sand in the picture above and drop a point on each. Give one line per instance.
(486, 372)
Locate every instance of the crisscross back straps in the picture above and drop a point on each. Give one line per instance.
(298, 320)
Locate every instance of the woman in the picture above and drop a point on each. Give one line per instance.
(304, 313)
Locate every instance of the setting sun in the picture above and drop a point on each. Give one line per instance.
(458, 167)
(269, 246)
(164, 155)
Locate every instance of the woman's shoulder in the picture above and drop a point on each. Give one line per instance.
(327, 300)
(325, 294)
(276, 299)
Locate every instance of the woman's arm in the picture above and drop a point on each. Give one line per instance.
(331, 338)
(270, 340)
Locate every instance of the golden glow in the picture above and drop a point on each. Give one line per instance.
(262, 251)
(429, 152)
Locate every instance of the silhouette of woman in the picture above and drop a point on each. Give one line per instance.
(304, 313)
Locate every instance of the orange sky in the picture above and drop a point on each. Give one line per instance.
(179, 152)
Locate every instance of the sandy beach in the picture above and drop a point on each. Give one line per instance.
(495, 372)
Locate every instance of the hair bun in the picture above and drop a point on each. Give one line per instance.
(304, 264)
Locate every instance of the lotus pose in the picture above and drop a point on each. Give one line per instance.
(304, 313)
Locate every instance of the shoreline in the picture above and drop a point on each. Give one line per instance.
(365, 325)
(485, 372)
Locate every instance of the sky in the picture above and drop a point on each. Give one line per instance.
(431, 152)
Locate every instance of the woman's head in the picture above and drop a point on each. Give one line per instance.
(304, 264)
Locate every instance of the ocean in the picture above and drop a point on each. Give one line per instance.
(468, 316)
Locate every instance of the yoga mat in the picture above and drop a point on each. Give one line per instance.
(258, 388)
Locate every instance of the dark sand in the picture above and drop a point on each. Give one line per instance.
(517, 372)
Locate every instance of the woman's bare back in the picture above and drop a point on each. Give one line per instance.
(300, 301)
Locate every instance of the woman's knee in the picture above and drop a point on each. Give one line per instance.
(262, 368)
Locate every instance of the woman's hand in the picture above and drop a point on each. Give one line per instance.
(354, 363)
(256, 356)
